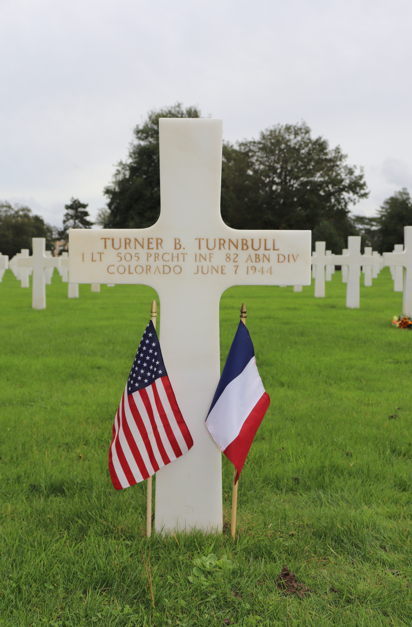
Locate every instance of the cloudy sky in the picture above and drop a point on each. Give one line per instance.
(76, 77)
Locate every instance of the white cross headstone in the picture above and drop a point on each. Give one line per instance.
(14, 267)
(73, 289)
(367, 270)
(48, 272)
(319, 261)
(398, 271)
(63, 269)
(329, 267)
(24, 271)
(344, 268)
(404, 259)
(39, 261)
(377, 264)
(4, 264)
(353, 260)
(190, 257)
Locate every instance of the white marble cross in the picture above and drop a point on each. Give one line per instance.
(48, 271)
(398, 271)
(353, 260)
(14, 267)
(329, 267)
(63, 269)
(367, 270)
(377, 265)
(404, 259)
(24, 271)
(320, 260)
(190, 257)
(344, 269)
(73, 289)
(4, 264)
(39, 261)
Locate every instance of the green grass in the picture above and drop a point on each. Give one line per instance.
(326, 488)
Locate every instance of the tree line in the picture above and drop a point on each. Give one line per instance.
(18, 225)
(285, 179)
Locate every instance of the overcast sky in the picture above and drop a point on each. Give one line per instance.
(76, 77)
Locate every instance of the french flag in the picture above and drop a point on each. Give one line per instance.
(240, 401)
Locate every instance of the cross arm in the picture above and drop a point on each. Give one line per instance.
(394, 259)
(218, 255)
(24, 262)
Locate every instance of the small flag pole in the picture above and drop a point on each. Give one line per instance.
(243, 316)
(153, 316)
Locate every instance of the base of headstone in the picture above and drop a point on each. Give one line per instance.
(297, 288)
(95, 287)
(73, 291)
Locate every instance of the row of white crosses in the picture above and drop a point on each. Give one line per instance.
(41, 264)
(397, 271)
(323, 264)
(352, 261)
(403, 259)
(4, 264)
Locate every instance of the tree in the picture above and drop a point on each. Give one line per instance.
(284, 180)
(368, 227)
(394, 215)
(76, 217)
(288, 180)
(18, 226)
(134, 193)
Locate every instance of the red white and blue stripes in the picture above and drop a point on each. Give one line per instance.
(149, 430)
(240, 401)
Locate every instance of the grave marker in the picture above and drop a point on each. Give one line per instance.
(63, 269)
(39, 261)
(48, 271)
(344, 269)
(353, 260)
(319, 261)
(398, 271)
(377, 265)
(73, 289)
(329, 267)
(404, 259)
(367, 270)
(4, 264)
(24, 271)
(190, 257)
(14, 267)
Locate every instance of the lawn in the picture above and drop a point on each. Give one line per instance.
(326, 489)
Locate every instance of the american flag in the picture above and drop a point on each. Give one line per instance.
(149, 431)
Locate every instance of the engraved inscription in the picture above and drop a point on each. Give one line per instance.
(200, 256)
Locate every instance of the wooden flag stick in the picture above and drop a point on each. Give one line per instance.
(153, 315)
(243, 316)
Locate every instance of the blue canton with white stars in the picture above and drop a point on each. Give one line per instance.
(148, 364)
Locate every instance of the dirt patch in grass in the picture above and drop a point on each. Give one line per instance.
(287, 582)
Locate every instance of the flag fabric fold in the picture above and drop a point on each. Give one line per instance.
(149, 430)
(240, 401)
